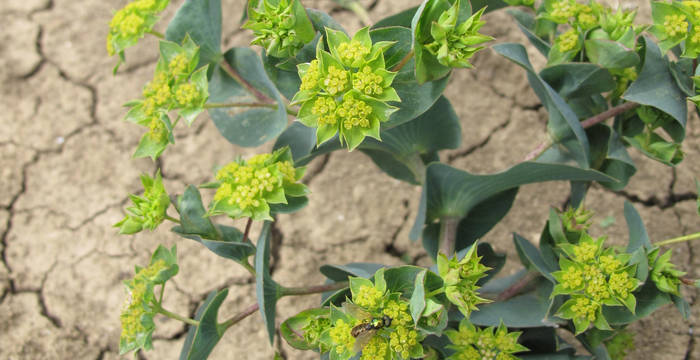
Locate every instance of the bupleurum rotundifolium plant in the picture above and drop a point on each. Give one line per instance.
(379, 92)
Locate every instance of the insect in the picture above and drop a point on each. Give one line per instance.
(364, 331)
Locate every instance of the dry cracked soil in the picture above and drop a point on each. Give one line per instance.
(66, 170)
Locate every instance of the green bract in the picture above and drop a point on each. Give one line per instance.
(347, 89)
(130, 23)
(149, 210)
(454, 44)
(675, 23)
(177, 85)
(460, 278)
(280, 26)
(141, 305)
(246, 188)
(664, 273)
(445, 36)
(593, 277)
(472, 343)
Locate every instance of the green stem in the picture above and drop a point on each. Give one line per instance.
(678, 239)
(448, 235)
(162, 292)
(308, 290)
(248, 267)
(285, 291)
(159, 309)
(236, 76)
(403, 62)
(435, 292)
(291, 111)
(156, 34)
(239, 104)
(168, 217)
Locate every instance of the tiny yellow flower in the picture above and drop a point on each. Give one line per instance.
(367, 82)
(353, 113)
(341, 336)
(325, 108)
(568, 40)
(675, 25)
(337, 81)
(352, 52)
(310, 80)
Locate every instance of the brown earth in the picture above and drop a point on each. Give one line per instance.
(66, 170)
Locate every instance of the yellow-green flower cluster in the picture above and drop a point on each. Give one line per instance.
(460, 280)
(176, 85)
(149, 209)
(568, 41)
(404, 339)
(130, 23)
(677, 22)
(455, 43)
(471, 343)
(375, 322)
(246, 188)
(376, 348)
(314, 328)
(141, 305)
(281, 27)
(593, 277)
(592, 20)
(341, 336)
(345, 91)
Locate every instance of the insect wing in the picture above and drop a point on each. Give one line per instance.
(362, 340)
(356, 311)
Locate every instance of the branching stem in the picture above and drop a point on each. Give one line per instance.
(306, 290)
(168, 217)
(448, 235)
(678, 239)
(316, 289)
(403, 62)
(250, 310)
(156, 34)
(246, 232)
(159, 309)
(236, 76)
(612, 112)
(239, 104)
(517, 287)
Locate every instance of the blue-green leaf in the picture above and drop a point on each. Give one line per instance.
(532, 258)
(417, 304)
(453, 192)
(400, 152)
(201, 19)
(342, 272)
(610, 54)
(563, 125)
(574, 80)
(224, 241)
(638, 236)
(655, 86)
(526, 23)
(266, 289)
(524, 311)
(246, 126)
(201, 339)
